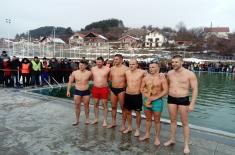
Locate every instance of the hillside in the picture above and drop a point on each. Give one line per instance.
(60, 32)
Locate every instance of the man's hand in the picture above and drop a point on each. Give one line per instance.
(190, 108)
(151, 99)
(68, 94)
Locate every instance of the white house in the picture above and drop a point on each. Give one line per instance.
(154, 39)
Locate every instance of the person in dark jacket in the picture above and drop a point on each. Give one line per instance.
(15, 65)
(45, 70)
(54, 70)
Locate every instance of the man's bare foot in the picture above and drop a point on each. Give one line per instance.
(104, 124)
(145, 137)
(157, 142)
(87, 122)
(122, 129)
(169, 142)
(111, 126)
(137, 133)
(95, 122)
(186, 150)
(75, 124)
(127, 130)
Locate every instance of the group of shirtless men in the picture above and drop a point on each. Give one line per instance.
(128, 85)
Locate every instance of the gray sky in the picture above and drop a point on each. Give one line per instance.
(31, 14)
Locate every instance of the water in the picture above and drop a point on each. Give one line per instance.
(215, 107)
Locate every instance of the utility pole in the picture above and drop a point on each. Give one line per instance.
(8, 21)
(54, 41)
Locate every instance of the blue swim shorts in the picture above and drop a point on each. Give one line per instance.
(157, 105)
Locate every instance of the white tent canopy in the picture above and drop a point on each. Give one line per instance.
(194, 60)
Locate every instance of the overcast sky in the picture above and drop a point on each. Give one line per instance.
(31, 14)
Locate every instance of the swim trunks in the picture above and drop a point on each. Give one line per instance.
(157, 105)
(100, 93)
(178, 100)
(82, 92)
(116, 91)
(133, 102)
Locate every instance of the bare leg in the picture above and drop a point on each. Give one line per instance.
(148, 115)
(121, 97)
(105, 111)
(129, 121)
(157, 116)
(77, 102)
(86, 100)
(138, 121)
(96, 110)
(184, 119)
(172, 108)
(114, 101)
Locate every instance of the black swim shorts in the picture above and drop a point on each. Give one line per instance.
(116, 91)
(82, 92)
(178, 100)
(133, 102)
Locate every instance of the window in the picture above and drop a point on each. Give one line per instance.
(150, 40)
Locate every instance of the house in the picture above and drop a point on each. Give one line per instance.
(130, 41)
(77, 39)
(50, 40)
(154, 39)
(220, 32)
(94, 39)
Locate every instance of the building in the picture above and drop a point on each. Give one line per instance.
(220, 32)
(77, 39)
(94, 39)
(154, 39)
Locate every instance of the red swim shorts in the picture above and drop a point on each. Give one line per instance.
(100, 93)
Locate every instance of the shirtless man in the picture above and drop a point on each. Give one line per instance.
(81, 93)
(180, 81)
(100, 89)
(159, 88)
(118, 79)
(133, 97)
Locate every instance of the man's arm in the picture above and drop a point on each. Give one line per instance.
(194, 87)
(143, 83)
(110, 74)
(91, 76)
(163, 92)
(71, 80)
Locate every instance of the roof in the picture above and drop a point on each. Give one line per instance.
(54, 40)
(93, 34)
(216, 29)
(79, 34)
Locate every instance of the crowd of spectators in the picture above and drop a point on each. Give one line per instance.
(36, 72)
